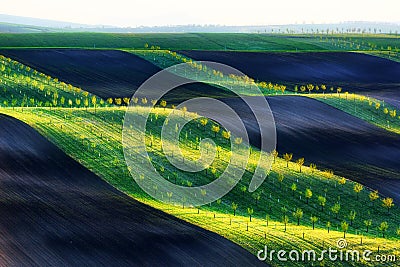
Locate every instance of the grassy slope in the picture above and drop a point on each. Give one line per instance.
(386, 46)
(205, 41)
(166, 59)
(354, 104)
(96, 144)
(369, 109)
(95, 140)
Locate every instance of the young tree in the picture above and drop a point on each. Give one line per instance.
(298, 214)
(213, 171)
(345, 227)
(357, 189)
(203, 193)
(226, 135)
(243, 189)
(313, 219)
(14, 103)
(300, 163)
(335, 209)
(126, 100)
(322, 202)
(169, 195)
(374, 195)
(163, 104)
(204, 122)
(118, 101)
(257, 197)
(383, 228)
(308, 194)
(328, 225)
(367, 224)
(215, 128)
(352, 216)
(86, 103)
(94, 103)
(310, 87)
(387, 203)
(288, 157)
(219, 150)
(274, 154)
(339, 90)
(62, 101)
(250, 211)
(293, 188)
(238, 140)
(323, 88)
(285, 220)
(342, 181)
(234, 208)
(313, 167)
(281, 177)
(184, 111)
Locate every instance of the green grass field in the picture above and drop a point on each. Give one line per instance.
(94, 139)
(202, 41)
(92, 136)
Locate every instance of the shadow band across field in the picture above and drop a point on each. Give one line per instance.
(332, 139)
(55, 212)
(355, 72)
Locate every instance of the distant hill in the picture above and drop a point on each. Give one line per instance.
(44, 23)
(16, 28)
(16, 24)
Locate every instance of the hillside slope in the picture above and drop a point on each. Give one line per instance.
(55, 212)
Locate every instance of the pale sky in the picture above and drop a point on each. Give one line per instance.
(224, 12)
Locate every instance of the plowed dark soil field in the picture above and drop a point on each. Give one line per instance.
(54, 212)
(332, 139)
(353, 71)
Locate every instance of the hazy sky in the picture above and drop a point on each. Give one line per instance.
(224, 12)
